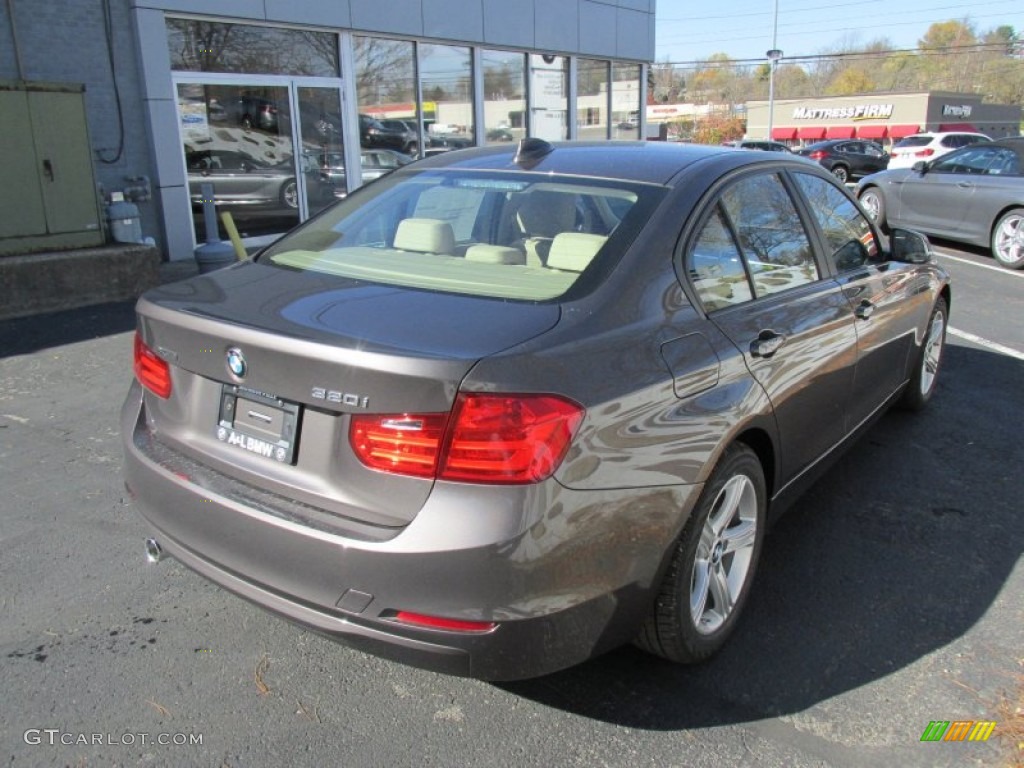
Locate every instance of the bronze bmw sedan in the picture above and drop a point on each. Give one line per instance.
(508, 408)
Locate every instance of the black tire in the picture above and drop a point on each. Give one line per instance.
(841, 172)
(1008, 239)
(290, 194)
(690, 621)
(873, 203)
(929, 359)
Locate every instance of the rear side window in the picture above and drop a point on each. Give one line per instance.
(847, 231)
(753, 244)
(502, 235)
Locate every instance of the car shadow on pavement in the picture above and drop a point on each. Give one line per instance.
(897, 551)
(25, 335)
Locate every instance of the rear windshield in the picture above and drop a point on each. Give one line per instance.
(913, 141)
(505, 235)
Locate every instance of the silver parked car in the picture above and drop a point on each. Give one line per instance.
(972, 195)
(507, 408)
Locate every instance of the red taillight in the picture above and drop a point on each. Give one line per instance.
(818, 155)
(406, 444)
(152, 372)
(925, 152)
(436, 622)
(507, 439)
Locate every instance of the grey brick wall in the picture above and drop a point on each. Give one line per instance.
(65, 42)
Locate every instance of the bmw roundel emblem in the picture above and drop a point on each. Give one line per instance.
(236, 362)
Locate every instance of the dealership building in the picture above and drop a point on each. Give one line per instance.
(883, 117)
(146, 100)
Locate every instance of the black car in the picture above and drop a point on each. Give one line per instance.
(847, 159)
(410, 131)
(375, 135)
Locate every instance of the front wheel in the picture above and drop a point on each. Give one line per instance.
(1008, 239)
(926, 370)
(874, 205)
(290, 194)
(708, 580)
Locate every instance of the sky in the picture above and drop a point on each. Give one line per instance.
(689, 30)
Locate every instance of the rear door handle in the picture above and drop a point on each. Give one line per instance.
(864, 310)
(766, 344)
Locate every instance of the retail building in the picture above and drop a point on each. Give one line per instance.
(274, 102)
(883, 117)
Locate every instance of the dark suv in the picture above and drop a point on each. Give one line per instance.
(374, 135)
(847, 159)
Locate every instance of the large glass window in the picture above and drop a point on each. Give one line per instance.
(504, 96)
(446, 82)
(208, 46)
(386, 93)
(238, 140)
(549, 96)
(626, 101)
(592, 99)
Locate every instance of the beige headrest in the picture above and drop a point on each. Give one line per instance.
(495, 254)
(573, 251)
(425, 236)
(545, 214)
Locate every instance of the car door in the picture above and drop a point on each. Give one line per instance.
(755, 270)
(884, 296)
(939, 199)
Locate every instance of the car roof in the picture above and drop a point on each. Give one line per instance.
(937, 134)
(654, 162)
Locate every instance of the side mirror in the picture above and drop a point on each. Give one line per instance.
(909, 247)
(921, 166)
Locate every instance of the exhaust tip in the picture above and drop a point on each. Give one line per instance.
(154, 553)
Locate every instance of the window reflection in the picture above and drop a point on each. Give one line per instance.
(207, 46)
(504, 96)
(626, 101)
(549, 96)
(386, 92)
(592, 99)
(446, 79)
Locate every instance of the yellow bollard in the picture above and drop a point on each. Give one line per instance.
(229, 225)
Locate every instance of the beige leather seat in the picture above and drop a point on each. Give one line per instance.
(540, 217)
(573, 251)
(425, 236)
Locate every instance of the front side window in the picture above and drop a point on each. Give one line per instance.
(501, 235)
(847, 231)
(976, 159)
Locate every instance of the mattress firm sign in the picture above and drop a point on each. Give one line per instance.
(859, 112)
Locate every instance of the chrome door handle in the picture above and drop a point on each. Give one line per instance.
(766, 344)
(864, 310)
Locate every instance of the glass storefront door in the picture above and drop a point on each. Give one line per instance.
(272, 151)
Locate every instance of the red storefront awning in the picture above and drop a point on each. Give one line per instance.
(872, 131)
(839, 132)
(899, 131)
(783, 134)
(811, 132)
(958, 127)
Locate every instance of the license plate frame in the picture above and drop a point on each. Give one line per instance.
(258, 422)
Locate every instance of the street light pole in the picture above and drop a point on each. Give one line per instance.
(773, 57)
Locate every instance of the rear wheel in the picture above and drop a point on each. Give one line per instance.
(1008, 239)
(713, 565)
(842, 173)
(874, 205)
(926, 372)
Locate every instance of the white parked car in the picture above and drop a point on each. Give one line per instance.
(928, 146)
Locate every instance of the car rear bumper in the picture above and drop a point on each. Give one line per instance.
(571, 581)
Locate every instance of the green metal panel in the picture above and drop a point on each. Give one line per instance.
(21, 199)
(64, 161)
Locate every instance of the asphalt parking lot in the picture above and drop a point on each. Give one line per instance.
(891, 596)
